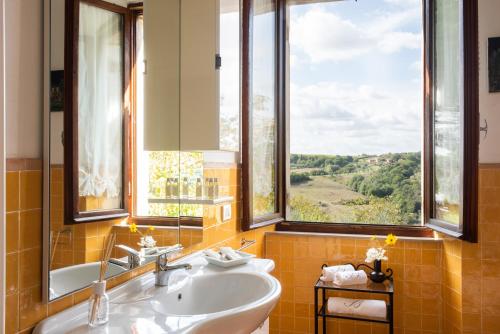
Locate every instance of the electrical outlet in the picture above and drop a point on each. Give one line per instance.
(226, 212)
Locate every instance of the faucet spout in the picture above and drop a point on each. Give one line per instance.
(164, 270)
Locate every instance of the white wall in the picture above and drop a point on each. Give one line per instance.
(24, 58)
(489, 103)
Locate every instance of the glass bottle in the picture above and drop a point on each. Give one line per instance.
(199, 188)
(185, 187)
(168, 188)
(98, 305)
(216, 188)
(175, 187)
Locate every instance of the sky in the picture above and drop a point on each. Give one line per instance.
(356, 77)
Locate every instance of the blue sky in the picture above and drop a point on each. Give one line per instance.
(356, 78)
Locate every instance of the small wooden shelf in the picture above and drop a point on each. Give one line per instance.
(192, 200)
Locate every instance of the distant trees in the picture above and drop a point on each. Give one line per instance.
(301, 209)
(391, 183)
(296, 178)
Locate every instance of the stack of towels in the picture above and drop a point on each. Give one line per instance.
(347, 275)
(343, 275)
(224, 254)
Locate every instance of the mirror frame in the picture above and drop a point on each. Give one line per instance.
(72, 213)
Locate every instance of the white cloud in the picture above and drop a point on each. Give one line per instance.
(335, 118)
(325, 36)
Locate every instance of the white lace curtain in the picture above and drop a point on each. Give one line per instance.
(100, 99)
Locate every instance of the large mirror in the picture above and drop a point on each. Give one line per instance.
(142, 131)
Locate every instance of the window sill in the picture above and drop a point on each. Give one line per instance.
(357, 229)
(168, 222)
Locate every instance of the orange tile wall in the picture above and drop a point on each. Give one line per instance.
(452, 288)
(24, 240)
(417, 282)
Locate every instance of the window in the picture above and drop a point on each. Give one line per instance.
(95, 126)
(452, 118)
(377, 114)
(355, 101)
(260, 159)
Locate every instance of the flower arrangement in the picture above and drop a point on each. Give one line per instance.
(378, 253)
(147, 240)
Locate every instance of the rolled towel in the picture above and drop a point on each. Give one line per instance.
(329, 272)
(357, 307)
(350, 277)
(229, 253)
(212, 253)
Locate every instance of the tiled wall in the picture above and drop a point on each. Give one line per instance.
(441, 287)
(24, 240)
(448, 287)
(417, 282)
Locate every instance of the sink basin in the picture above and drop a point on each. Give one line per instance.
(204, 300)
(233, 302)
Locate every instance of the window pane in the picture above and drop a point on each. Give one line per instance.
(448, 110)
(229, 30)
(263, 107)
(100, 103)
(355, 72)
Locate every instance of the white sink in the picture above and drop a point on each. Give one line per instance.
(208, 300)
(236, 302)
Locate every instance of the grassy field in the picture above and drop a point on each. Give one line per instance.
(331, 194)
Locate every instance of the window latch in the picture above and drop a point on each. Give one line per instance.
(218, 61)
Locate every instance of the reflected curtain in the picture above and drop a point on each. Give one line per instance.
(100, 102)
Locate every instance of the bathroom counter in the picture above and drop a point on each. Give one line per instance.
(130, 308)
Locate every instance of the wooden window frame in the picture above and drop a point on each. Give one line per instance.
(136, 10)
(71, 177)
(467, 230)
(250, 222)
(471, 136)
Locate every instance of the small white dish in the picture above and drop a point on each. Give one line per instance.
(245, 258)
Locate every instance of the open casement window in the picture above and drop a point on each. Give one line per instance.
(366, 82)
(96, 136)
(262, 146)
(451, 117)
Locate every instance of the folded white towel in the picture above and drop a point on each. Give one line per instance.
(212, 253)
(229, 253)
(357, 307)
(350, 277)
(329, 272)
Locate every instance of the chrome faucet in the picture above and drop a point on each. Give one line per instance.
(163, 270)
(133, 258)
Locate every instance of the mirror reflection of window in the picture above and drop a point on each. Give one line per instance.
(100, 107)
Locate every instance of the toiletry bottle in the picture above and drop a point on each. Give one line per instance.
(185, 187)
(216, 188)
(98, 304)
(210, 188)
(168, 188)
(175, 187)
(199, 188)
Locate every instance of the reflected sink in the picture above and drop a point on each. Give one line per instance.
(233, 302)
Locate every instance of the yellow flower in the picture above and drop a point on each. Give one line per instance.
(391, 240)
(151, 228)
(373, 237)
(133, 228)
